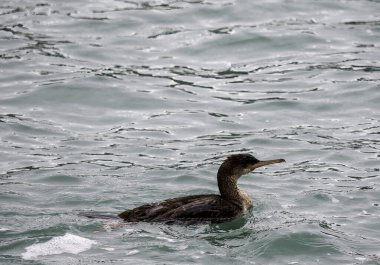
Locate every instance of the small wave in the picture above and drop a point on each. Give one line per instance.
(57, 245)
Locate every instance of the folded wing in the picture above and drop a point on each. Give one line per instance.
(189, 209)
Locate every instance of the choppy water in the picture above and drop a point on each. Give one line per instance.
(105, 105)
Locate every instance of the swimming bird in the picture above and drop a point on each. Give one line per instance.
(210, 208)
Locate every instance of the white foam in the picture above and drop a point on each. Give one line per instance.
(132, 252)
(109, 249)
(167, 239)
(57, 245)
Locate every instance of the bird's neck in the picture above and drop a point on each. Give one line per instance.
(230, 191)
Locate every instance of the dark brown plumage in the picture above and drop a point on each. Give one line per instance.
(211, 208)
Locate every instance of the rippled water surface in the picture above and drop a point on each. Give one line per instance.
(105, 105)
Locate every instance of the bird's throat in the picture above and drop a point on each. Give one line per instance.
(230, 191)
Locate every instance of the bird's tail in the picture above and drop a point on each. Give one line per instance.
(99, 215)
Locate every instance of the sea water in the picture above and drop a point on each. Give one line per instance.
(106, 105)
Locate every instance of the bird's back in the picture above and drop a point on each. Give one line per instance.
(190, 209)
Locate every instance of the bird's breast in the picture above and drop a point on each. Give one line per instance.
(245, 201)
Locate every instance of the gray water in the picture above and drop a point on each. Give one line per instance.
(105, 105)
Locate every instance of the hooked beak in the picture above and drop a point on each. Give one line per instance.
(267, 162)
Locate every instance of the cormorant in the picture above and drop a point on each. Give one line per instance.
(211, 208)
